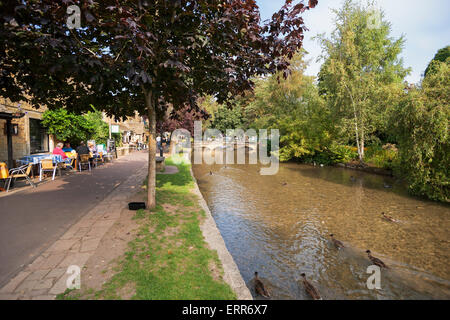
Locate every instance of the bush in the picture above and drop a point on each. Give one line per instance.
(422, 122)
(382, 157)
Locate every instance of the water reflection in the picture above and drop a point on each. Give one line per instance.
(279, 226)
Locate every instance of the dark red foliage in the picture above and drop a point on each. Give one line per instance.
(126, 51)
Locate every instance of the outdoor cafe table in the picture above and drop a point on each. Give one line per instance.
(36, 158)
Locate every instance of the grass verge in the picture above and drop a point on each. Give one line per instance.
(169, 259)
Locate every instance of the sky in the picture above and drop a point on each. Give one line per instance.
(425, 25)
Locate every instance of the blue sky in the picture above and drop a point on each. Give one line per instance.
(425, 25)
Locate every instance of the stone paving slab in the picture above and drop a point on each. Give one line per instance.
(47, 275)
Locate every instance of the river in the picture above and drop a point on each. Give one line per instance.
(279, 225)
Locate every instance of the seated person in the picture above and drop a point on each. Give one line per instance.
(67, 147)
(82, 149)
(93, 150)
(58, 150)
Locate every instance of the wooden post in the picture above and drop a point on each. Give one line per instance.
(10, 145)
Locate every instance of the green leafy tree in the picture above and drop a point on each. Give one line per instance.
(68, 126)
(422, 123)
(227, 118)
(441, 56)
(294, 106)
(362, 74)
(101, 129)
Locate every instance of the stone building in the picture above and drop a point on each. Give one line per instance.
(133, 129)
(29, 136)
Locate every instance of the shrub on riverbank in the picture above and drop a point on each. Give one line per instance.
(421, 121)
(385, 157)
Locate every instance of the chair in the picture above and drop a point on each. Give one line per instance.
(47, 165)
(93, 159)
(84, 160)
(100, 158)
(20, 172)
(69, 163)
(107, 157)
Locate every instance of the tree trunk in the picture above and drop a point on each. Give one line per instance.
(151, 186)
(361, 158)
(359, 144)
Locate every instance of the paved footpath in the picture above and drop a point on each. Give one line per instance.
(45, 230)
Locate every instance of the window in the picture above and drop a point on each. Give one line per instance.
(38, 137)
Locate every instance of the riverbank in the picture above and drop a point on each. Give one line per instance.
(367, 168)
(168, 257)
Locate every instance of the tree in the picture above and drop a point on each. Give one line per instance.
(422, 124)
(101, 128)
(210, 105)
(362, 74)
(67, 126)
(440, 56)
(227, 118)
(293, 106)
(142, 55)
(183, 118)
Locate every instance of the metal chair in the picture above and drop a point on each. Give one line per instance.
(100, 158)
(84, 160)
(69, 163)
(47, 165)
(20, 172)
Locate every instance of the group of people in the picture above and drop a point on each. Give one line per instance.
(61, 150)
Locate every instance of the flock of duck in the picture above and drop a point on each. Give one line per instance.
(261, 290)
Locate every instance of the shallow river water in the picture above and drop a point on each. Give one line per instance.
(279, 225)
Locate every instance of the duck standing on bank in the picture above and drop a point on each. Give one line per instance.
(338, 244)
(376, 261)
(312, 291)
(260, 288)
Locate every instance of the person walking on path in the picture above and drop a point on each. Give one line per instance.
(159, 145)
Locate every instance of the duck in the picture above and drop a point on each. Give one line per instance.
(312, 291)
(336, 242)
(376, 261)
(389, 218)
(387, 186)
(260, 288)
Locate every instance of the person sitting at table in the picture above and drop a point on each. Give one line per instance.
(82, 149)
(59, 151)
(93, 149)
(67, 147)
